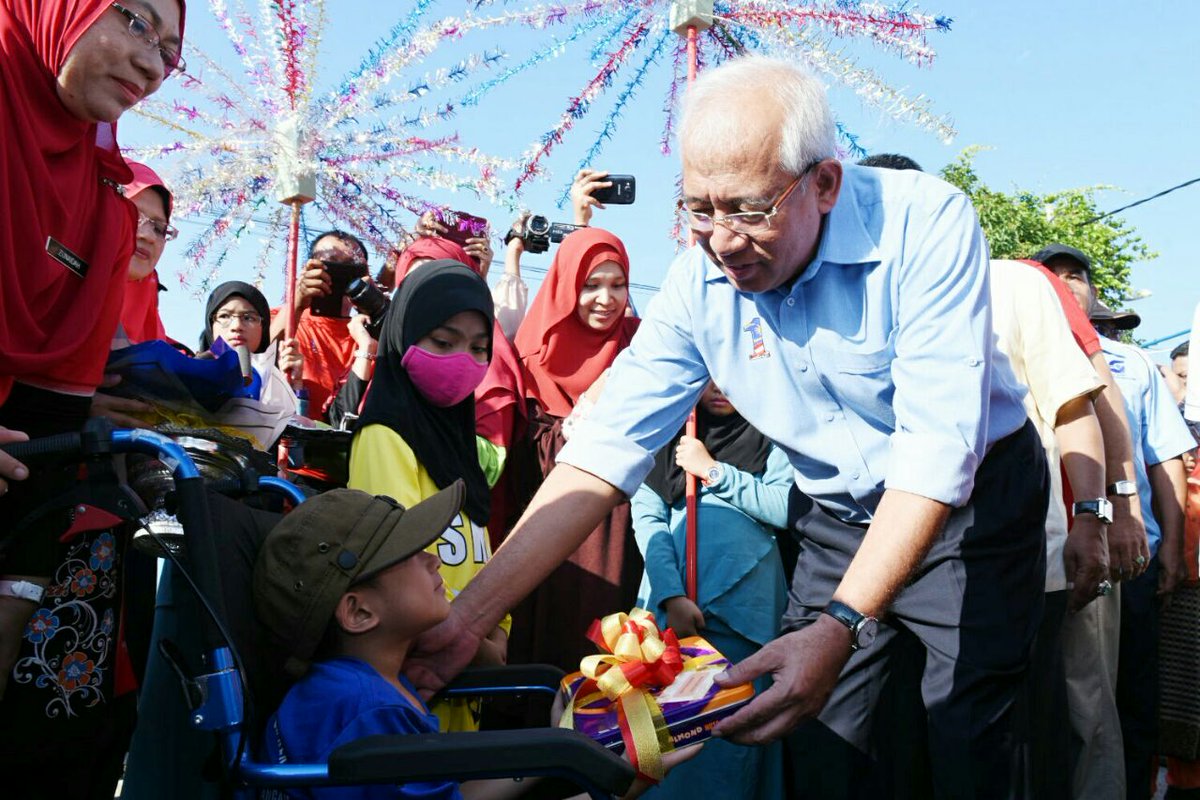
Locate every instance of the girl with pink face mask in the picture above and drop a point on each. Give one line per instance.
(416, 434)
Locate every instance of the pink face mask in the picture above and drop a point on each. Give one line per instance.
(444, 380)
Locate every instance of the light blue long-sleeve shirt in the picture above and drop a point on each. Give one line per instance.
(875, 369)
(1155, 424)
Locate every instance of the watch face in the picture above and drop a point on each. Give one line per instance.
(866, 632)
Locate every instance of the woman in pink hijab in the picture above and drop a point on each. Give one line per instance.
(139, 315)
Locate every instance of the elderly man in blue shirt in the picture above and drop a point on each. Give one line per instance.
(846, 311)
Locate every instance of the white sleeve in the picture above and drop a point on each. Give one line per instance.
(511, 297)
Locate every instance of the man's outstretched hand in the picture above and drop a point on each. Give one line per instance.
(805, 665)
(440, 654)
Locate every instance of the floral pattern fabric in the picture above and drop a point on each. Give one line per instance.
(69, 645)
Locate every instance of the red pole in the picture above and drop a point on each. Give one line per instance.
(690, 576)
(691, 579)
(290, 281)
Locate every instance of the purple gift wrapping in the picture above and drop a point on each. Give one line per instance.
(691, 705)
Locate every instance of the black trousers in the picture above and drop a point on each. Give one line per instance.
(966, 621)
(1138, 681)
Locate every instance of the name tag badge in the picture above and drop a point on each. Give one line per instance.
(63, 255)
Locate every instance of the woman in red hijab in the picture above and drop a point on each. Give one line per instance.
(68, 70)
(575, 327)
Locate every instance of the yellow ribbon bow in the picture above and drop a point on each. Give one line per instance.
(639, 659)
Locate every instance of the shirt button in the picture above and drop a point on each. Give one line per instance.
(829, 417)
(791, 301)
(854, 475)
(804, 367)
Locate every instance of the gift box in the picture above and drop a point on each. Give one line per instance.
(676, 701)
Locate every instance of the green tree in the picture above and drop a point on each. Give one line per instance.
(1019, 224)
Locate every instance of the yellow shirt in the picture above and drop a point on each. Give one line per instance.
(1031, 329)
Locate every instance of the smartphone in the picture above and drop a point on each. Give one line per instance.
(621, 193)
(341, 273)
(461, 226)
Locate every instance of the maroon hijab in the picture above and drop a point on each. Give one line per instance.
(59, 178)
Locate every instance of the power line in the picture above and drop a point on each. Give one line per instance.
(1143, 200)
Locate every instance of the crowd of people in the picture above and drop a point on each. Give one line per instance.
(940, 504)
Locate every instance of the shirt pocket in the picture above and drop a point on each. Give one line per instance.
(864, 361)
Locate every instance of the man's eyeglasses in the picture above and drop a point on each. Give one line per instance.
(161, 229)
(746, 223)
(140, 28)
(226, 318)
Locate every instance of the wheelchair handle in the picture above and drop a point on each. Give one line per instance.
(47, 450)
(96, 441)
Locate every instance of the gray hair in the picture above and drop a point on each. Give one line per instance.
(808, 133)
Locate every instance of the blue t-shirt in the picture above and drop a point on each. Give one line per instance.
(340, 701)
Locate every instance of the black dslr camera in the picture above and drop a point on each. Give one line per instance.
(369, 299)
(540, 232)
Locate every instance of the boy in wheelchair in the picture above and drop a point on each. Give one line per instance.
(345, 587)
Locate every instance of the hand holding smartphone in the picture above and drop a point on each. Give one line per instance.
(461, 226)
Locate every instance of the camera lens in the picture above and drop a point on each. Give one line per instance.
(538, 226)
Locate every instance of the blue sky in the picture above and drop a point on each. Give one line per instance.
(1064, 95)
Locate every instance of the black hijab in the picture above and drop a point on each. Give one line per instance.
(729, 440)
(220, 296)
(443, 439)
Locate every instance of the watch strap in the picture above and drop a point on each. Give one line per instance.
(1122, 489)
(1101, 507)
(862, 628)
(843, 614)
(24, 590)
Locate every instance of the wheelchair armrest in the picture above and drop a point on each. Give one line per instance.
(485, 754)
(507, 679)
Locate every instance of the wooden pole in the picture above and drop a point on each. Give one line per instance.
(289, 309)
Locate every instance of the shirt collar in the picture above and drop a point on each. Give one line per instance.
(845, 239)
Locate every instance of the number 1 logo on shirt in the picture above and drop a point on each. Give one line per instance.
(758, 347)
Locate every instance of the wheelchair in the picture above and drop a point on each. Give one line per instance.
(220, 671)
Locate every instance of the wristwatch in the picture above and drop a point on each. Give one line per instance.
(24, 590)
(713, 475)
(1122, 489)
(863, 629)
(1100, 507)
